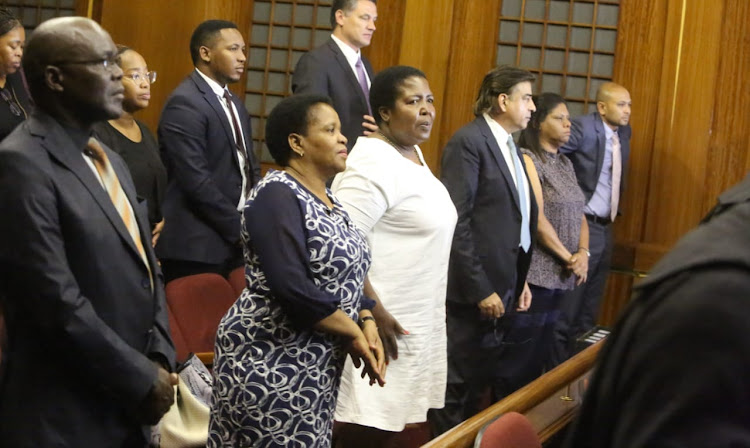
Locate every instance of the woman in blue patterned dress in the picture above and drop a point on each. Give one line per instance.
(281, 348)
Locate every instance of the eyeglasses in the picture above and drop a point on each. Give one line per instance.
(108, 63)
(139, 77)
(14, 109)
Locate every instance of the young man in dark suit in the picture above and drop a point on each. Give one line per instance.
(339, 70)
(497, 216)
(88, 339)
(599, 148)
(206, 145)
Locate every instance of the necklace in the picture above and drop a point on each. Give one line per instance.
(399, 149)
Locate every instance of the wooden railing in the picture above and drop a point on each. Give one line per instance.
(550, 402)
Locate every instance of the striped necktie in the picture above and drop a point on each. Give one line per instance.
(112, 185)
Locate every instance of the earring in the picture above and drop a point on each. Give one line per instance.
(301, 154)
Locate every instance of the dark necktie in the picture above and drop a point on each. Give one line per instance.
(362, 78)
(239, 143)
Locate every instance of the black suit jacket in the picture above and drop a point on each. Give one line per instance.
(324, 70)
(485, 256)
(81, 315)
(202, 223)
(586, 149)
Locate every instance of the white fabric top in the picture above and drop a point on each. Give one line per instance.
(409, 220)
(219, 91)
(351, 57)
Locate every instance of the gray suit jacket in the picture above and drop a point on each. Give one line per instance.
(82, 318)
(325, 71)
(586, 149)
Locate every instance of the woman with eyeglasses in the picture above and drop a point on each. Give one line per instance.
(16, 103)
(134, 141)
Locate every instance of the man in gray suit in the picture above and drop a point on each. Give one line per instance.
(88, 336)
(483, 171)
(339, 70)
(599, 147)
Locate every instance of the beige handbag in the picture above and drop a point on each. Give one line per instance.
(185, 425)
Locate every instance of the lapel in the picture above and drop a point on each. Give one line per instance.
(61, 147)
(348, 72)
(497, 154)
(221, 115)
(601, 142)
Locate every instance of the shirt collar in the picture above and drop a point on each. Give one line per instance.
(349, 53)
(608, 132)
(215, 86)
(498, 131)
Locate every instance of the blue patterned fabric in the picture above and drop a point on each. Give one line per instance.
(276, 381)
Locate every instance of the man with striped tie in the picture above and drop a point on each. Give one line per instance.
(89, 350)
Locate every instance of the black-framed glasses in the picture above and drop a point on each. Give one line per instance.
(108, 63)
(139, 77)
(14, 109)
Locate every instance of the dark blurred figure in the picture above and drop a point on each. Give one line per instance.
(15, 105)
(88, 335)
(134, 141)
(674, 371)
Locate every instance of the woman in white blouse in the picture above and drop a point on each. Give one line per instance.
(409, 218)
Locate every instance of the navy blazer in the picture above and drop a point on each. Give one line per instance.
(586, 149)
(324, 70)
(202, 223)
(82, 317)
(485, 256)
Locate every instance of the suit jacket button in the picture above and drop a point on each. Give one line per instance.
(146, 283)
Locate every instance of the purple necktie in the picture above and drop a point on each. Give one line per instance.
(362, 78)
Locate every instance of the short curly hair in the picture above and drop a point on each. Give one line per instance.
(386, 85)
(291, 116)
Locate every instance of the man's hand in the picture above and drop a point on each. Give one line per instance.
(369, 125)
(492, 307)
(159, 399)
(524, 301)
(156, 232)
(389, 330)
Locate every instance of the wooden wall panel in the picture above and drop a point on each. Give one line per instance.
(472, 53)
(729, 138)
(386, 42)
(161, 32)
(684, 120)
(423, 45)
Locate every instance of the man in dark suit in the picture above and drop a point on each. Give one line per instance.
(599, 147)
(497, 216)
(338, 69)
(88, 337)
(674, 371)
(206, 145)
